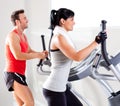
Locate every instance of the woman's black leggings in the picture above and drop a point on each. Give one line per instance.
(66, 98)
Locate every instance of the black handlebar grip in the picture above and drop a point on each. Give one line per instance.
(103, 25)
(43, 42)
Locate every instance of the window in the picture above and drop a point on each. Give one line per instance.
(89, 13)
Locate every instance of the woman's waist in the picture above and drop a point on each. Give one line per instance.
(58, 85)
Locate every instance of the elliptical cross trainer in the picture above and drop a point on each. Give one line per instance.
(89, 67)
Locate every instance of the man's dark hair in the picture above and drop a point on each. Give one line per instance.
(15, 15)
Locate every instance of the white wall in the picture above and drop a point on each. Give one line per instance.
(38, 15)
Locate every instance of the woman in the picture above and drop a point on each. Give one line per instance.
(62, 54)
(17, 52)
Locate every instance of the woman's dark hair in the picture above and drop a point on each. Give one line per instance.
(56, 15)
(15, 15)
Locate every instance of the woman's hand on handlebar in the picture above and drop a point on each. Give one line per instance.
(101, 37)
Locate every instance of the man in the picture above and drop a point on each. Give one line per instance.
(17, 52)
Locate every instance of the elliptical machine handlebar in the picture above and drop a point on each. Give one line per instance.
(43, 43)
(44, 48)
(103, 43)
(114, 69)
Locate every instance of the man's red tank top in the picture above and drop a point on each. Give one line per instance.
(13, 65)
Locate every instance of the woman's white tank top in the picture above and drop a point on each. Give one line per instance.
(60, 66)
